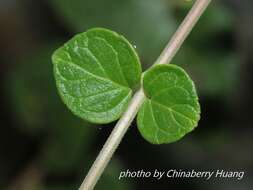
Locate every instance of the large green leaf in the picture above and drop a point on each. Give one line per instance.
(171, 108)
(95, 73)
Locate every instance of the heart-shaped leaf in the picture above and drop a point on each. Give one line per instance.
(171, 108)
(95, 73)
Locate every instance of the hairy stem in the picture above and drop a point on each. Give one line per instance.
(125, 121)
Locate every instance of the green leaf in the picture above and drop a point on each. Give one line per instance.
(171, 108)
(96, 72)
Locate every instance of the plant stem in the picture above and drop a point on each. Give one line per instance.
(125, 121)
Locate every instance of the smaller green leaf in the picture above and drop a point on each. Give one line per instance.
(96, 72)
(171, 108)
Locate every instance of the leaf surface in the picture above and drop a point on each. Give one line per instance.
(96, 72)
(171, 108)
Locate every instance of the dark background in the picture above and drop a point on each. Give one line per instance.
(44, 147)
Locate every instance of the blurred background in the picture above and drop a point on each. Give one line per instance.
(44, 147)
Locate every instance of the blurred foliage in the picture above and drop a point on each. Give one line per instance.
(109, 180)
(34, 95)
(146, 23)
(67, 148)
(58, 187)
(40, 111)
(224, 66)
(205, 53)
(216, 20)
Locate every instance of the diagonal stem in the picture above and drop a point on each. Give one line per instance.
(125, 121)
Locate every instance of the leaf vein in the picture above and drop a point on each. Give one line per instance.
(118, 62)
